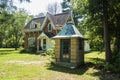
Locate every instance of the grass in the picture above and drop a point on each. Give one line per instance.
(15, 65)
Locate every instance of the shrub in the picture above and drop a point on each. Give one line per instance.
(112, 67)
(51, 52)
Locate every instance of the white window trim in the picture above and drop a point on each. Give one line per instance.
(42, 43)
(32, 25)
(48, 28)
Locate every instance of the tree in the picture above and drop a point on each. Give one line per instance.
(54, 8)
(99, 16)
(101, 12)
(66, 6)
(106, 31)
(7, 10)
(40, 15)
(18, 20)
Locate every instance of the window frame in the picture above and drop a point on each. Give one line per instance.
(49, 29)
(31, 44)
(33, 25)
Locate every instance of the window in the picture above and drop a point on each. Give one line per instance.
(44, 43)
(33, 25)
(49, 28)
(31, 42)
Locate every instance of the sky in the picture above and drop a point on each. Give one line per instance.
(35, 6)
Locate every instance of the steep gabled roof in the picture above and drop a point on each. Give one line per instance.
(56, 20)
(69, 30)
(49, 17)
(36, 20)
(61, 19)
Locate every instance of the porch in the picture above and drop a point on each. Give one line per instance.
(44, 42)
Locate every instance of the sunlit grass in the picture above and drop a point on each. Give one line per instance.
(29, 66)
(95, 57)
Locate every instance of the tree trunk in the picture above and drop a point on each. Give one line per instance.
(16, 42)
(106, 31)
(16, 38)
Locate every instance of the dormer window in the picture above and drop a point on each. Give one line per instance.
(33, 25)
(49, 28)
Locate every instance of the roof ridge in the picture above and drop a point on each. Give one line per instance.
(38, 18)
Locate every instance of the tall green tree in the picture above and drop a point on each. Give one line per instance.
(101, 19)
(66, 6)
(69, 6)
(18, 23)
(109, 13)
(7, 10)
(100, 9)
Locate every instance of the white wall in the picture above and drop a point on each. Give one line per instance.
(86, 47)
(49, 43)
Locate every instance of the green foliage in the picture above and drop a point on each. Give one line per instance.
(12, 22)
(51, 52)
(66, 6)
(91, 25)
(112, 67)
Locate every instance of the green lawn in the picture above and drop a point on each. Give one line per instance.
(15, 65)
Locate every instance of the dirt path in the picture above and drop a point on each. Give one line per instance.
(26, 62)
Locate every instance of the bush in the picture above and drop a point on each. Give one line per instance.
(50, 52)
(112, 67)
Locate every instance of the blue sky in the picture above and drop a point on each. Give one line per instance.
(36, 6)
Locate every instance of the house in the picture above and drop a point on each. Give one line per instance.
(39, 31)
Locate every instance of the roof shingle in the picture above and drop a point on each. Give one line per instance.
(69, 30)
(57, 19)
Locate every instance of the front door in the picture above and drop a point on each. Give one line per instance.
(65, 50)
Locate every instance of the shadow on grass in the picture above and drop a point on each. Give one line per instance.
(97, 60)
(6, 51)
(27, 52)
(106, 75)
(102, 73)
(98, 63)
(79, 71)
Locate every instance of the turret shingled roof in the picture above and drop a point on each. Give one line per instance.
(69, 30)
